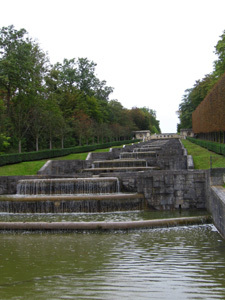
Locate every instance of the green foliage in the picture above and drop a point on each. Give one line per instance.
(4, 142)
(219, 64)
(145, 119)
(195, 95)
(51, 106)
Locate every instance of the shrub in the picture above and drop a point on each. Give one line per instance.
(212, 146)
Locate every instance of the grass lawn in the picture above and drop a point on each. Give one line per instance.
(24, 168)
(201, 156)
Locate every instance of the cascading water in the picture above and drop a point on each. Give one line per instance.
(68, 186)
(91, 194)
(60, 195)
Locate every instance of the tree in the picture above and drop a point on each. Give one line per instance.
(82, 126)
(139, 119)
(195, 95)
(38, 116)
(65, 102)
(150, 116)
(192, 98)
(4, 142)
(219, 64)
(20, 109)
(22, 63)
(53, 120)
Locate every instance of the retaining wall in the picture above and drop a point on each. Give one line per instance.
(216, 199)
(216, 206)
(168, 189)
(64, 167)
(161, 189)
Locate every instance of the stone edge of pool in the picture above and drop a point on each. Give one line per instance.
(77, 226)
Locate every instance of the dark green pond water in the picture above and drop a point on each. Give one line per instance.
(173, 263)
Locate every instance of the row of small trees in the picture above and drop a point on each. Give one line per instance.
(62, 105)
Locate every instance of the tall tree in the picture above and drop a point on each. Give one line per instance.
(20, 112)
(22, 63)
(195, 95)
(219, 64)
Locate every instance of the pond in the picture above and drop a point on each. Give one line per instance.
(170, 263)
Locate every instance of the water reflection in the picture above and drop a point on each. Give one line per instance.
(174, 263)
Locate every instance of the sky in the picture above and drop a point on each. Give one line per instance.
(149, 51)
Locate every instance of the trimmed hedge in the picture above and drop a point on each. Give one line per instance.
(212, 146)
(209, 116)
(45, 154)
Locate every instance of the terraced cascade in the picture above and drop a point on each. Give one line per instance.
(70, 195)
(85, 187)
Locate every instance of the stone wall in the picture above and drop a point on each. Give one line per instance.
(168, 189)
(176, 162)
(216, 199)
(217, 176)
(216, 206)
(64, 167)
(162, 189)
(8, 184)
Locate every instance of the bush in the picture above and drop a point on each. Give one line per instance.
(212, 146)
(45, 154)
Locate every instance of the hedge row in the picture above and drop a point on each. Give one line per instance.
(212, 146)
(209, 116)
(45, 154)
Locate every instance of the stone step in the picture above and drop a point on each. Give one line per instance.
(137, 155)
(119, 169)
(121, 163)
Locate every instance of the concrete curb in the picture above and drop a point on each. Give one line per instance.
(76, 226)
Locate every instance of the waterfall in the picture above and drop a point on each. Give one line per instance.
(68, 186)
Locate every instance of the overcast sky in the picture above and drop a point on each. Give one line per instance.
(149, 51)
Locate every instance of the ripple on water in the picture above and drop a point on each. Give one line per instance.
(172, 263)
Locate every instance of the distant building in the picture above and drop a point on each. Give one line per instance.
(166, 136)
(144, 135)
(186, 132)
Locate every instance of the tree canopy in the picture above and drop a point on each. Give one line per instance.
(195, 95)
(61, 105)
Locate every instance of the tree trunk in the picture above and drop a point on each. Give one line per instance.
(62, 142)
(50, 142)
(37, 143)
(20, 146)
(8, 98)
